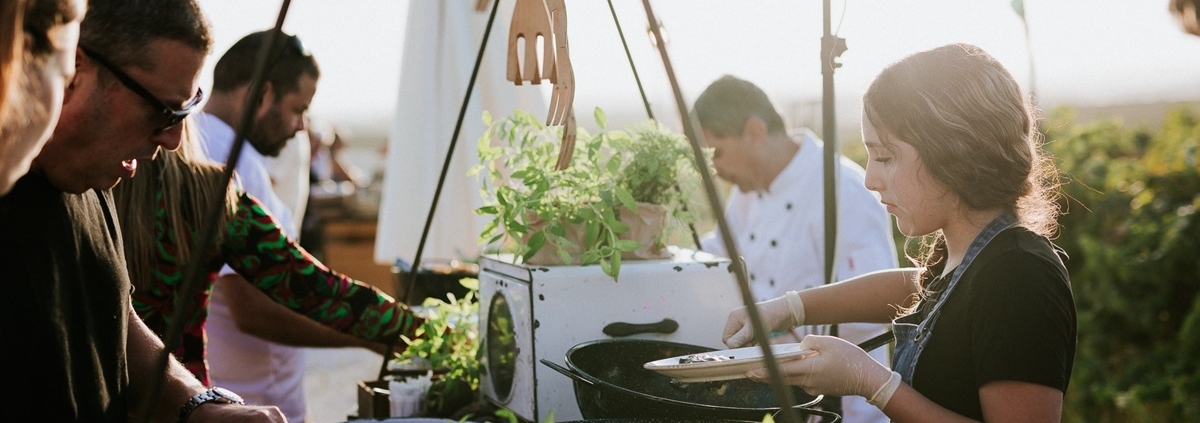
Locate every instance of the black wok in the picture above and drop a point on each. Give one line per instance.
(610, 383)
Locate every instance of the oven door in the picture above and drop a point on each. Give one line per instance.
(505, 320)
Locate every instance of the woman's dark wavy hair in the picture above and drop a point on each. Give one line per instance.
(973, 129)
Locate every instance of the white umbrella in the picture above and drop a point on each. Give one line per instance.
(440, 46)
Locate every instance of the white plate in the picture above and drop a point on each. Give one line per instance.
(742, 361)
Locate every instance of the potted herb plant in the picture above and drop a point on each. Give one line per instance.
(618, 199)
(452, 354)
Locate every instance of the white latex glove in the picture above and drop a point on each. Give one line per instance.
(839, 368)
(776, 314)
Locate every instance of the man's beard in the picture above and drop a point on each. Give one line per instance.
(261, 136)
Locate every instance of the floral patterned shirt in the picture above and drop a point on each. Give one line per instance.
(256, 247)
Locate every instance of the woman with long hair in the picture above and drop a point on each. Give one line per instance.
(985, 325)
(37, 59)
(161, 211)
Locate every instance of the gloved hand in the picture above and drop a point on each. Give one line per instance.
(839, 368)
(777, 314)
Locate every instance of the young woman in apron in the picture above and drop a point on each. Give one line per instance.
(985, 327)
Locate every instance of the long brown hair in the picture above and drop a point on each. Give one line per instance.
(188, 185)
(12, 23)
(25, 27)
(973, 129)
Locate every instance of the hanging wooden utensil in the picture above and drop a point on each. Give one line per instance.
(566, 147)
(562, 97)
(531, 19)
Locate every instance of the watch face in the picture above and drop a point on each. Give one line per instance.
(227, 394)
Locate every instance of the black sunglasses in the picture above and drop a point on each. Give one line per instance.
(172, 116)
(292, 47)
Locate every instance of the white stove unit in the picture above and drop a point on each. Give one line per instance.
(528, 313)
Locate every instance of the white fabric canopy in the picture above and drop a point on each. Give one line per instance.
(440, 45)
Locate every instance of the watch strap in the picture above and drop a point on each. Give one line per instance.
(217, 395)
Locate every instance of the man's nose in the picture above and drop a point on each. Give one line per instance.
(169, 139)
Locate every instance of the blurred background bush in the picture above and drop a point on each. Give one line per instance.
(1131, 229)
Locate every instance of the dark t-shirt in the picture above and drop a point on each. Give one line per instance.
(65, 307)
(1011, 317)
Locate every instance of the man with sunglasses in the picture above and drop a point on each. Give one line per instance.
(71, 338)
(240, 316)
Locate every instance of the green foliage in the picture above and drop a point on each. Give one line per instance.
(453, 347)
(508, 415)
(532, 204)
(656, 157)
(1134, 238)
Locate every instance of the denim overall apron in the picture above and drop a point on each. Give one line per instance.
(912, 333)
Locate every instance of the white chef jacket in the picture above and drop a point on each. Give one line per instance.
(262, 372)
(781, 234)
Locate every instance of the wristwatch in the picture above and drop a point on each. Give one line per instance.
(214, 395)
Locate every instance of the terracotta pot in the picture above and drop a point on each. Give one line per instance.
(548, 255)
(645, 226)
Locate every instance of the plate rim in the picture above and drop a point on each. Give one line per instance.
(716, 365)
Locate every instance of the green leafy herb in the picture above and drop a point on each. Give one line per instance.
(577, 210)
(448, 340)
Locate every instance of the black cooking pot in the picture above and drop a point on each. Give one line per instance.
(610, 382)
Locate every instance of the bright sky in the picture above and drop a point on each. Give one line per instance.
(1085, 52)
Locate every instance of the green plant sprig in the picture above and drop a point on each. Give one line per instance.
(448, 339)
(610, 171)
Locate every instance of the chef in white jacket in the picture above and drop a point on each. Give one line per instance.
(776, 210)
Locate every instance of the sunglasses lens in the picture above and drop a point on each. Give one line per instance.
(176, 116)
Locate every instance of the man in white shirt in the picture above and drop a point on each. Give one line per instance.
(290, 172)
(776, 208)
(264, 372)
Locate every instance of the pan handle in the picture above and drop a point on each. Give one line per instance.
(826, 416)
(621, 329)
(877, 341)
(566, 372)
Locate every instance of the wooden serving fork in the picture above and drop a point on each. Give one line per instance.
(566, 148)
(562, 97)
(531, 20)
